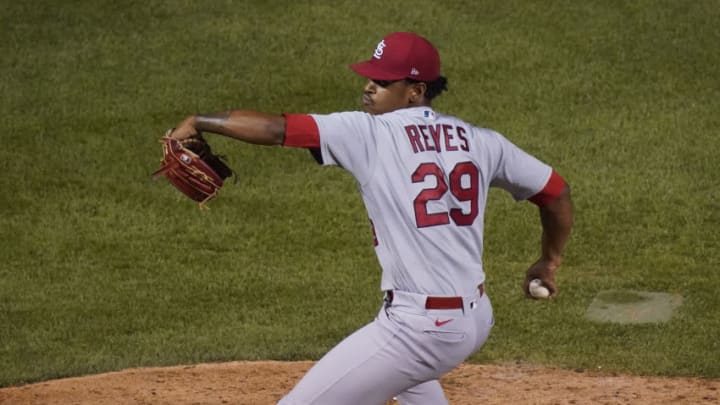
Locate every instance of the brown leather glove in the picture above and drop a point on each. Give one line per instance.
(191, 167)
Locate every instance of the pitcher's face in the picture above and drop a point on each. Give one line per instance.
(382, 96)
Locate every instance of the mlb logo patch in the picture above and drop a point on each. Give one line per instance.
(429, 114)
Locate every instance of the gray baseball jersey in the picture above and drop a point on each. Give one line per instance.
(424, 178)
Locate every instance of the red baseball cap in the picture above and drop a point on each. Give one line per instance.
(401, 55)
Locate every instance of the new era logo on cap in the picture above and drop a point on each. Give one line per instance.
(401, 55)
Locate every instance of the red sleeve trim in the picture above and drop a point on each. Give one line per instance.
(301, 131)
(552, 190)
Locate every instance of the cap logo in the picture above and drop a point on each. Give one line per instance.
(379, 50)
(414, 72)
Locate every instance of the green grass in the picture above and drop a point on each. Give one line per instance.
(104, 268)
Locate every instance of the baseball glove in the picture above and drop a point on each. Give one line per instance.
(192, 168)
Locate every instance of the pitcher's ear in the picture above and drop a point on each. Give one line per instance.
(417, 92)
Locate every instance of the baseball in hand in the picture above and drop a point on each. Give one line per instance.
(537, 289)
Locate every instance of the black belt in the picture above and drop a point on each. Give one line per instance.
(439, 302)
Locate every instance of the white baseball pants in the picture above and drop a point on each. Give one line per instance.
(402, 353)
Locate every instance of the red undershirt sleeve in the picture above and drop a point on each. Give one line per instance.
(552, 190)
(301, 131)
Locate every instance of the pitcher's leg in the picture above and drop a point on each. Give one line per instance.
(358, 371)
(429, 392)
(403, 348)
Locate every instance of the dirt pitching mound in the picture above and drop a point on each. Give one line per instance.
(259, 383)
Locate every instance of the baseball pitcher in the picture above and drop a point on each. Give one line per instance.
(424, 178)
